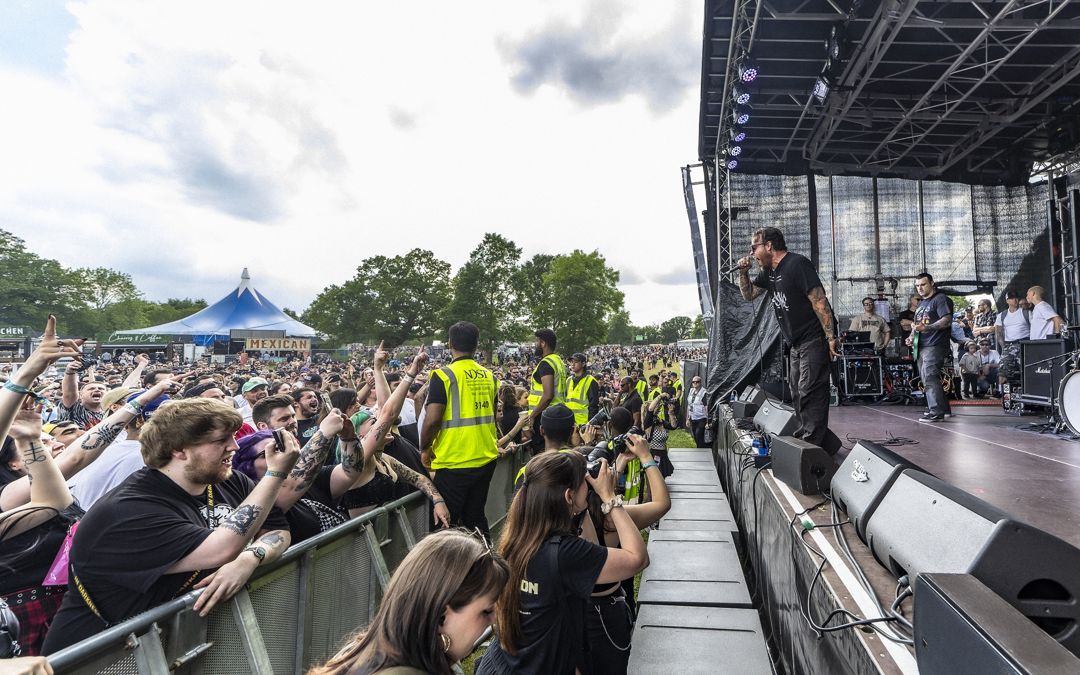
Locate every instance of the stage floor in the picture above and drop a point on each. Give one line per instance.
(1034, 477)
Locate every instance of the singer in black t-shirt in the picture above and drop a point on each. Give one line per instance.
(806, 321)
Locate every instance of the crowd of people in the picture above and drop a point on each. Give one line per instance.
(126, 483)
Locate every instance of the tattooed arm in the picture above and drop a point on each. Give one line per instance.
(47, 493)
(231, 577)
(746, 287)
(824, 312)
(410, 477)
(312, 457)
(227, 540)
(390, 410)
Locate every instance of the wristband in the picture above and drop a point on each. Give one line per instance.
(408, 378)
(649, 465)
(440, 500)
(276, 474)
(18, 389)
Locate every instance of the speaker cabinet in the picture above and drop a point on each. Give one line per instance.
(801, 465)
(863, 479)
(923, 525)
(741, 409)
(1041, 377)
(754, 395)
(961, 626)
(861, 376)
(776, 418)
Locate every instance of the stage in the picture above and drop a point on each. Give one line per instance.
(1033, 477)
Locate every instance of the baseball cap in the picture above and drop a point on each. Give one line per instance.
(116, 395)
(150, 407)
(578, 356)
(254, 383)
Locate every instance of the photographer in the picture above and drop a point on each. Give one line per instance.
(659, 418)
(609, 622)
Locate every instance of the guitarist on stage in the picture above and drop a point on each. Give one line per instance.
(929, 339)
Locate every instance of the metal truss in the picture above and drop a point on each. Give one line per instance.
(740, 42)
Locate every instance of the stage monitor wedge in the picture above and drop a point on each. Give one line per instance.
(776, 419)
(924, 526)
(863, 479)
(801, 465)
(748, 402)
(961, 626)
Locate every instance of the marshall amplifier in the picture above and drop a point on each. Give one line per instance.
(1041, 377)
(861, 376)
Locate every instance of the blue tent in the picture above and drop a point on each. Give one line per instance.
(243, 309)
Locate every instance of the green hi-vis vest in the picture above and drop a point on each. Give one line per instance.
(656, 391)
(632, 492)
(467, 437)
(537, 391)
(577, 397)
(640, 386)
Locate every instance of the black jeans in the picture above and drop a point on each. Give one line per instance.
(808, 377)
(466, 492)
(609, 627)
(697, 428)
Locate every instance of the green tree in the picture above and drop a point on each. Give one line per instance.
(171, 310)
(534, 293)
(582, 296)
(394, 299)
(619, 330)
(102, 287)
(485, 291)
(32, 287)
(698, 331)
(676, 328)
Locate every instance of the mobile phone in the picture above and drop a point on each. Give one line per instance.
(279, 439)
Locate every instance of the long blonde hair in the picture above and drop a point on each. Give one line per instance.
(446, 568)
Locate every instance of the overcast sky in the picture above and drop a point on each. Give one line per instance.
(181, 142)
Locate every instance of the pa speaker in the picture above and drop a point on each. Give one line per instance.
(961, 626)
(801, 465)
(923, 525)
(863, 479)
(776, 418)
(753, 394)
(741, 409)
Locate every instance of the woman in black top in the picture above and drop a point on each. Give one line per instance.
(541, 611)
(609, 621)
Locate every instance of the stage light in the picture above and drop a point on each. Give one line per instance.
(748, 70)
(735, 150)
(740, 115)
(737, 136)
(731, 164)
(822, 86)
(741, 95)
(836, 45)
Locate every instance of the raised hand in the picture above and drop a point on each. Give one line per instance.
(333, 423)
(381, 356)
(50, 350)
(283, 459)
(419, 361)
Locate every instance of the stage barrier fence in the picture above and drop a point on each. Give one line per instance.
(293, 613)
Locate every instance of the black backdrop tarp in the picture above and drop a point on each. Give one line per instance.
(744, 344)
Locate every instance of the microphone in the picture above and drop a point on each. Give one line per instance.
(729, 270)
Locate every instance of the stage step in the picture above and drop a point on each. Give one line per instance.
(693, 567)
(687, 490)
(699, 514)
(698, 640)
(698, 477)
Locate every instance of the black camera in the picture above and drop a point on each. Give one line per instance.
(618, 444)
(600, 419)
(598, 453)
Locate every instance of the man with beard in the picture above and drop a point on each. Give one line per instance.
(548, 381)
(80, 405)
(185, 521)
(806, 321)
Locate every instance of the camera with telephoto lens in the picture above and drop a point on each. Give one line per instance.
(599, 420)
(608, 450)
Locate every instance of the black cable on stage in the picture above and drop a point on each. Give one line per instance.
(888, 440)
(805, 610)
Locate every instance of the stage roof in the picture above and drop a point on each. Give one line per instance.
(969, 91)
(243, 309)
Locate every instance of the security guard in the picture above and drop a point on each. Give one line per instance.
(582, 390)
(459, 438)
(640, 385)
(548, 380)
(654, 387)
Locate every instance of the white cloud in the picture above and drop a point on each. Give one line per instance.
(185, 141)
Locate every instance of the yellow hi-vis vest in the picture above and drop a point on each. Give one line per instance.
(641, 386)
(577, 397)
(467, 437)
(537, 391)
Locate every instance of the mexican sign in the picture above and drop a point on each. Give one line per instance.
(278, 344)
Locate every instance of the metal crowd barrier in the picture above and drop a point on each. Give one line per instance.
(294, 613)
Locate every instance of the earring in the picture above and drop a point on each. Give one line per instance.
(445, 642)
